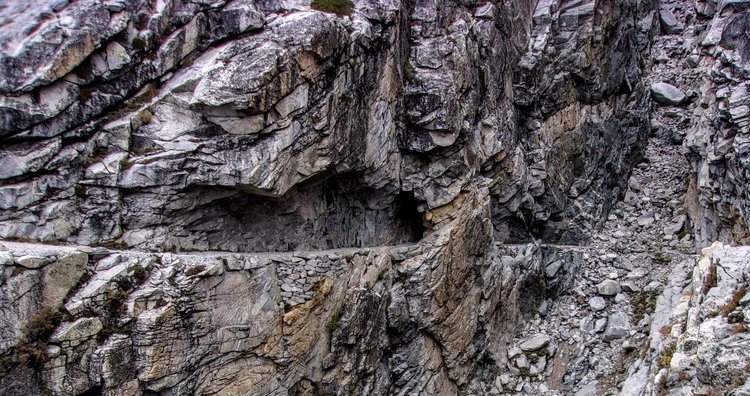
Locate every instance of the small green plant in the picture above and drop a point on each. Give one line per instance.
(31, 348)
(126, 163)
(115, 301)
(141, 20)
(139, 43)
(665, 358)
(116, 244)
(333, 323)
(347, 99)
(338, 7)
(661, 258)
(643, 303)
(79, 191)
(41, 326)
(147, 93)
(738, 328)
(145, 117)
(665, 330)
(682, 233)
(409, 71)
(139, 274)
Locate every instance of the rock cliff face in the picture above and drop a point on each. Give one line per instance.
(254, 197)
(706, 57)
(253, 126)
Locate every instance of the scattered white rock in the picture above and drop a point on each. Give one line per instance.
(31, 262)
(646, 220)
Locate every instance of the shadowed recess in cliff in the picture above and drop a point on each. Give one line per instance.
(325, 213)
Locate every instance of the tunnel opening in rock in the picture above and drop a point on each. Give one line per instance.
(408, 215)
(327, 212)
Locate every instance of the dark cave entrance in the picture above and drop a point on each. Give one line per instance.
(337, 211)
(409, 215)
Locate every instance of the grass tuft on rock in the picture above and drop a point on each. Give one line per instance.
(31, 348)
(711, 280)
(338, 7)
(333, 323)
(643, 303)
(733, 302)
(665, 358)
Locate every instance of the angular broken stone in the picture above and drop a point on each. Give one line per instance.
(513, 352)
(645, 220)
(522, 362)
(597, 303)
(600, 325)
(552, 268)
(32, 262)
(630, 286)
(534, 343)
(669, 24)
(618, 326)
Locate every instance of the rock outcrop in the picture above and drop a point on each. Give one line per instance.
(708, 61)
(698, 337)
(422, 197)
(271, 127)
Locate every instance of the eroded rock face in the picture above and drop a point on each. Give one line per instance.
(219, 148)
(709, 62)
(362, 321)
(698, 337)
(271, 127)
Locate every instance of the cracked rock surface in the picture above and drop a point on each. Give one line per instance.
(418, 197)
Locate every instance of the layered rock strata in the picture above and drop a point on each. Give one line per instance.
(256, 197)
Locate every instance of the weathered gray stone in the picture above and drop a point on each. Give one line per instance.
(32, 262)
(534, 343)
(74, 333)
(669, 24)
(618, 326)
(262, 126)
(589, 389)
(667, 94)
(608, 287)
(6, 259)
(597, 303)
